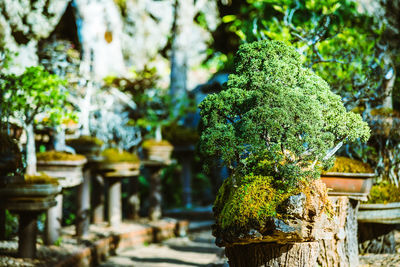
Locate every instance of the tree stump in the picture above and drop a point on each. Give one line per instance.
(342, 250)
(302, 254)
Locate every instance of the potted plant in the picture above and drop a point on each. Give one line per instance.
(33, 92)
(118, 162)
(86, 145)
(270, 126)
(349, 177)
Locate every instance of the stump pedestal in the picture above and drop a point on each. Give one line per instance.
(342, 250)
(28, 201)
(113, 173)
(302, 254)
(69, 174)
(154, 168)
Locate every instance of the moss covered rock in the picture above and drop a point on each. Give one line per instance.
(152, 142)
(254, 211)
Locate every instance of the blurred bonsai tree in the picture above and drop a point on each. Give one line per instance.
(29, 94)
(154, 108)
(276, 113)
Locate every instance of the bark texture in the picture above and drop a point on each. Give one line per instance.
(342, 250)
(273, 255)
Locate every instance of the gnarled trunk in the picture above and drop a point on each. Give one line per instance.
(30, 150)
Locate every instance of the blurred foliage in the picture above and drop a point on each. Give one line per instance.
(113, 155)
(180, 135)
(33, 92)
(154, 107)
(342, 45)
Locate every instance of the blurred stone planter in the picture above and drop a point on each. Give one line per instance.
(158, 152)
(28, 201)
(68, 174)
(356, 185)
(113, 173)
(377, 223)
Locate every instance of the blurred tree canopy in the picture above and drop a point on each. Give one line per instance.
(344, 46)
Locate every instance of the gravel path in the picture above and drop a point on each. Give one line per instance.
(198, 249)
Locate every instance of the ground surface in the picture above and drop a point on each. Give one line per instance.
(198, 249)
(386, 260)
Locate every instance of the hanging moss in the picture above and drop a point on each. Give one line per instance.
(343, 164)
(58, 156)
(384, 193)
(151, 142)
(113, 155)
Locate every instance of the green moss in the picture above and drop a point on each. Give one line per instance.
(58, 156)
(250, 203)
(84, 140)
(151, 142)
(180, 135)
(42, 178)
(113, 155)
(384, 192)
(343, 164)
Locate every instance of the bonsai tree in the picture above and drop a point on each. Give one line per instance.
(27, 95)
(271, 125)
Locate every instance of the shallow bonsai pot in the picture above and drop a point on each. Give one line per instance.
(379, 213)
(29, 190)
(348, 184)
(158, 153)
(119, 169)
(69, 173)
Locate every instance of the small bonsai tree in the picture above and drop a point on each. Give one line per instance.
(271, 125)
(25, 96)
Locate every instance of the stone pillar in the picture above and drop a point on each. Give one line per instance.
(53, 222)
(83, 202)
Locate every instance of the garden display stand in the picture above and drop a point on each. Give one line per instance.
(28, 201)
(113, 173)
(377, 223)
(69, 174)
(185, 156)
(154, 167)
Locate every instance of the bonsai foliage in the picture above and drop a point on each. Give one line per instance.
(27, 95)
(276, 111)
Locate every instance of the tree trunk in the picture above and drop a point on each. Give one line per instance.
(343, 249)
(30, 150)
(302, 254)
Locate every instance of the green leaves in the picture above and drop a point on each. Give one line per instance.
(33, 92)
(274, 106)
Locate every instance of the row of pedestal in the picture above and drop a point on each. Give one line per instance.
(98, 190)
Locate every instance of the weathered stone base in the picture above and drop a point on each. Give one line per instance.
(376, 238)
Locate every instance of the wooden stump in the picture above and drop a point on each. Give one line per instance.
(376, 238)
(342, 250)
(302, 254)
